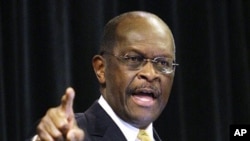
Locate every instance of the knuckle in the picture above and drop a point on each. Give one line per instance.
(51, 111)
(58, 136)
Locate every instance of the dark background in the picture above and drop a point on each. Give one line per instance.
(47, 45)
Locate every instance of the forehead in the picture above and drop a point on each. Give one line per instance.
(148, 35)
(145, 49)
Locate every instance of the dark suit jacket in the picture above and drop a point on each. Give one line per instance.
(98, 125)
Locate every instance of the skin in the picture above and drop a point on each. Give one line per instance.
(123, 88)
(149, 36)
(59, 123)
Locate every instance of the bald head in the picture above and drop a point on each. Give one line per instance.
(133, 24)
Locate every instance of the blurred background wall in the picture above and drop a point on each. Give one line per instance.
(47, 45)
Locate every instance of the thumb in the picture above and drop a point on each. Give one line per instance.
(67, 101)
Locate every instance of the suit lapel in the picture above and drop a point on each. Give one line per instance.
(100, 126)
(156, 136)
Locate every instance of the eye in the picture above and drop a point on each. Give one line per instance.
(164, 62)
(133, 59)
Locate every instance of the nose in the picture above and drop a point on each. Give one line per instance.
(148, 72)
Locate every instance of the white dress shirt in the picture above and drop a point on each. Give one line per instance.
(129, 131)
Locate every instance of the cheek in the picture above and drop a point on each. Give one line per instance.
(166, 88)
(117, 84)
(117, 81)
(118, 77)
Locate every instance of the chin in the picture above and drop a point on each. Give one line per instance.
(142, 121)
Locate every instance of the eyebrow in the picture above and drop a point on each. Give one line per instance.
(125, 52)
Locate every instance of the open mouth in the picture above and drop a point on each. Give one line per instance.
(144, 97)
(145, 92)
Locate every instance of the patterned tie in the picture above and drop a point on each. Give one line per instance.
(143, 136)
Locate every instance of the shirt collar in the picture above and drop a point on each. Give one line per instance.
(129, 131)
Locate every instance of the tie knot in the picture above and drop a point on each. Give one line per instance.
(143, 136)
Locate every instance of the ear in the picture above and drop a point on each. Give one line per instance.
(98, 63)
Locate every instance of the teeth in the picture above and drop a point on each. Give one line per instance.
(145, 94)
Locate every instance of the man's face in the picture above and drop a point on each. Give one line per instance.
(138, 96)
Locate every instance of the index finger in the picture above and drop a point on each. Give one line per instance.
(67, 101)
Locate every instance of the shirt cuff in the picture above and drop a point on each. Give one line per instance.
(35, 138)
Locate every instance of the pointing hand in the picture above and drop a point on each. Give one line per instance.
(59, 123)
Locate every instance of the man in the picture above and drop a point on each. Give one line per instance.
(135, 68)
